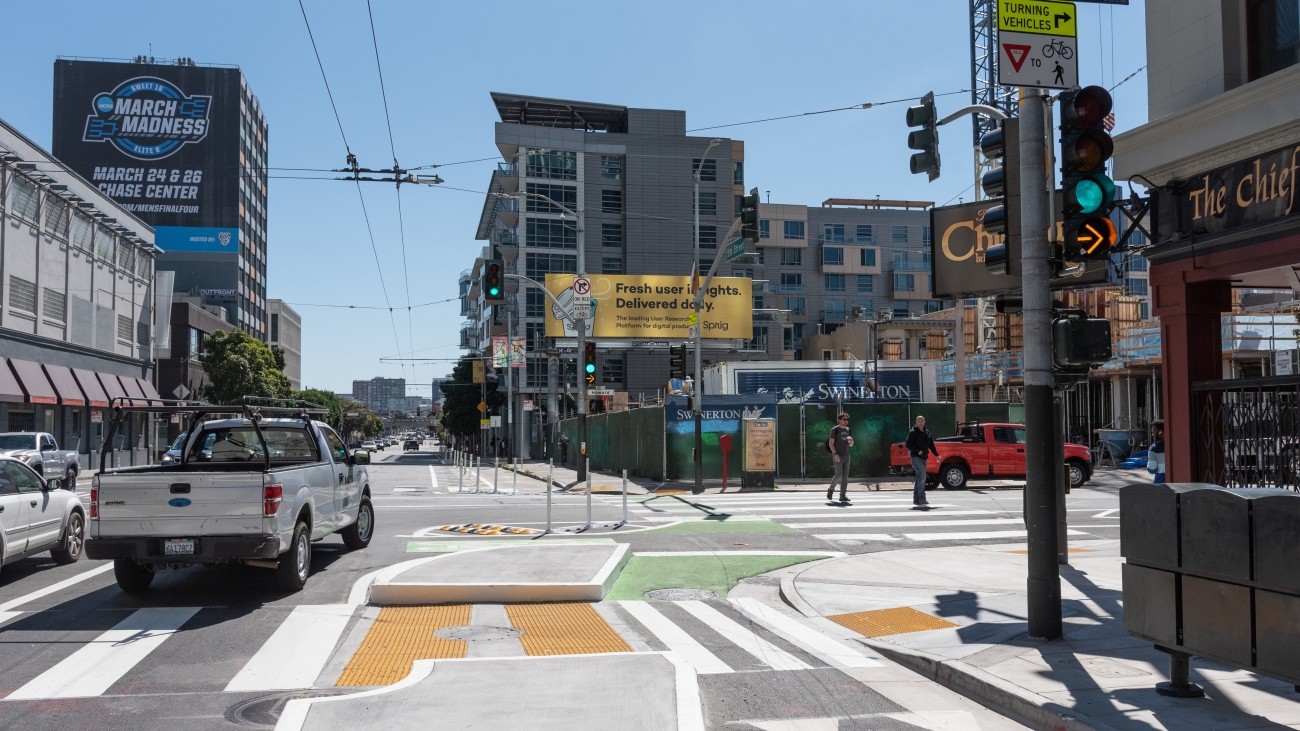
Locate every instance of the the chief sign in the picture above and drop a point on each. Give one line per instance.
(958, 259)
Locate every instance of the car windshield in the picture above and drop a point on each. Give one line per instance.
(18, 441)
(180, 442)
(241, 444)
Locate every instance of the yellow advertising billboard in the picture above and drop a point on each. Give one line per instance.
(653, 306)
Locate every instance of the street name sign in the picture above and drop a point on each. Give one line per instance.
(1037, 44)
(735, 250)
(600, 392)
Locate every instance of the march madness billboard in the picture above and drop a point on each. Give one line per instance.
(161, 140)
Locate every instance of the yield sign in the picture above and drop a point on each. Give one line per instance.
(1016, 54)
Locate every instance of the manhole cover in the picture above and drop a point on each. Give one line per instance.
(680, 595)
(850, 542)
(266, 710)
(478, 633)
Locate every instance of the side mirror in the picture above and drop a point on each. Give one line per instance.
(54, 483)
(361, 456)
(47, 447)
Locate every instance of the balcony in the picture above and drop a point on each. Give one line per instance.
(506, 242)
(912, 266)
(506, 176)
(786, 289)
(847, 240)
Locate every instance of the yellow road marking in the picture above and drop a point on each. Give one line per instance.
(564, 628)
(401, 635)
(880, 622)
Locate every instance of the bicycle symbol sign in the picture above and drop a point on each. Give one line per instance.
(1037, 60)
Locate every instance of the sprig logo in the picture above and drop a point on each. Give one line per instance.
(148, 118)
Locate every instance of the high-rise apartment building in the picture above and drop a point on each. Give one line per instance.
(183, 147)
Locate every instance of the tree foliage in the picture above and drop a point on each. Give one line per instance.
(240, 365)
(460, 414)
(329, 400)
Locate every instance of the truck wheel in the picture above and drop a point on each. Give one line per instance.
(70, 480)
(1078, 472)
(953, 476)
(295, 564)
(131, 576)
(358, 534)
(74, 539)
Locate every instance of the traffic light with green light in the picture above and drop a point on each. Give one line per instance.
(589, 362)
(1089, 193)
(926, 139)
(494, 291)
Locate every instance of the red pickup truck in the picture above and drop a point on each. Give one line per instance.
(984, 451)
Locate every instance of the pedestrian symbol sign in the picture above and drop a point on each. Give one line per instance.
(1043, 61)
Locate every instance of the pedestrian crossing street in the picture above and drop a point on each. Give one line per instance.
(873, 517)
(158, 650)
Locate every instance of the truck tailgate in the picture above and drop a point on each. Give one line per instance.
(179, 504)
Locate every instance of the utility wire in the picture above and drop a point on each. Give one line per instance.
(863, 105)
(322, 76)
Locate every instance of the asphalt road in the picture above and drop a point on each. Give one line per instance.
(178, 655)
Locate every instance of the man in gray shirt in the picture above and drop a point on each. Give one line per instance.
(839, 443)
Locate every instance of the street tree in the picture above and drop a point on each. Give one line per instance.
(238, 365)
(329, 400)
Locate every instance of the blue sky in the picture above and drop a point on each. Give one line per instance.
(722, 62)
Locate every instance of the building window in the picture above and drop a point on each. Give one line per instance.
(611, 234)
(795, 305)
(275, 328)
(553, 164)
(83, 233)
(737, 205)
(833, 233)
(196, 343)
(794, 230)
(611, 167)
(925, 234)
(791, 257)
(25, 200)
(866, 283)
(124, 329)
(553, 234)
(126, 258)
(792, 282)
(868, 258)
(611, 201)
(55, 305)
(834, 310)
(537, 265)
(1136, 287)
(611, 265)
(708, 237)
(764, 228)
(904, 282)
(613, 371)
(900, 234)
(832, 256)
(105, 243)
(834, 282)
(144, 266)
(565, 195)
(708, 170)
(708, 204)
(56, 217)
(900, 309)
(1272, 36)
(738, 172)
(22, 294)
(864, 235)
(142, 333)
(933, 306)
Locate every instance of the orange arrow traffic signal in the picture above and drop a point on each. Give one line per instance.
(591, 378)
(1095, 238)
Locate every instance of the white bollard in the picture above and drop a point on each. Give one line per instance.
(588, 525)
(550, 475)
(478, 472)
(514, 478)
(496, 470)
(624, 521)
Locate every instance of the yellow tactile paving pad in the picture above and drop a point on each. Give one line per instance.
(564, 628)
(880, 622)
(400, 636)
(488, 529)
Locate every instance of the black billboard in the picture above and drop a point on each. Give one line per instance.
(160, 140)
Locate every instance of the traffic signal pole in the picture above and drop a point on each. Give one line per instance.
(1044, 583)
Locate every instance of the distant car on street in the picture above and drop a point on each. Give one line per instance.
(369, 445)
(411, 445)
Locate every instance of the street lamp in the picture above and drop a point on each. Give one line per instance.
(697, 388)
(579, 323)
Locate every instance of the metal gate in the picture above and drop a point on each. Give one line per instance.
(1247, 432)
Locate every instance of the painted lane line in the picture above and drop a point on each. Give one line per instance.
(6, 616)
(94, 668)
(830, 650)
(847, 514)
(675, 638)
(766, 652)
(433, 477)
(296, 653)
(1106, 513)
(908, 523)
(969, 536)
(855, 537)
(823, 554)
(51, 589)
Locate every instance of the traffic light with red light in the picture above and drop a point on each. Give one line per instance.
(494, 291)
(1089, 193)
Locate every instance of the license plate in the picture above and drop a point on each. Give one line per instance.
(179, 547)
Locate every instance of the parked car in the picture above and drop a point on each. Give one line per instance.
(411, 445)
(41, 452)
(985, 451)
(37, 515)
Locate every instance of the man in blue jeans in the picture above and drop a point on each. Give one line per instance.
(920, 445)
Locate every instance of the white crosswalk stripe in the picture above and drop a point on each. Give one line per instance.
(297, 652)
(677, 639)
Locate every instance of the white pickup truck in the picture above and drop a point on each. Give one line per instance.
(254, 488)
(41, 452)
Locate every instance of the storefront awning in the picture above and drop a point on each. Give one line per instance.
(34, 383)
(91, 387)
(150, 392)
(9, 389)
(112, 386)
(133, 389)
(66, 386)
